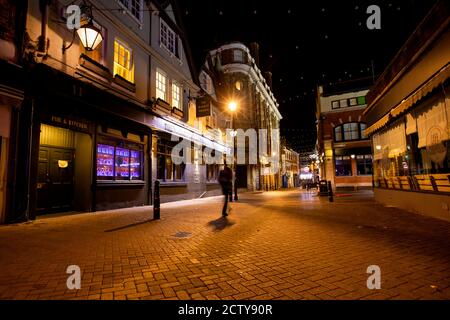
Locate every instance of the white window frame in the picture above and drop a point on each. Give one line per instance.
(128, 9)
(164, 41)
(159, 86)
(131, 60)
(175, 84)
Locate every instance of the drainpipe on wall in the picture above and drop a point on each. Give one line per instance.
(30, 159)
(42, 40)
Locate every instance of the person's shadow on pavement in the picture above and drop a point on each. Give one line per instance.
(220, 224)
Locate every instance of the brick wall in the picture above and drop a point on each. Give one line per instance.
(334, 118)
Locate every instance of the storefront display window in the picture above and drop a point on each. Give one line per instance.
(167, 170)
(118, 163)
(364, 164)
(412, 153)
(343, 166)
(212, 172)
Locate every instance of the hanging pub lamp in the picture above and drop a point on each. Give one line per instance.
(90, 36)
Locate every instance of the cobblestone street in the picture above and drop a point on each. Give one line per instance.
(274, 245)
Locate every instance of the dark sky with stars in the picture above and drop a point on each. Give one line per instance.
(304, 43)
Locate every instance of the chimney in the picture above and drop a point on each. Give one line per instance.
(254, 51)
(268, 77)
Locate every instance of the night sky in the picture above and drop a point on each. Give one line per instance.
(304, 44)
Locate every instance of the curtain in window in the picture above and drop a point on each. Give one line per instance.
(411, 124)
(390, 143)
(432, 125)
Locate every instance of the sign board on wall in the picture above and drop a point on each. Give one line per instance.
(69, 123)
(203, 107)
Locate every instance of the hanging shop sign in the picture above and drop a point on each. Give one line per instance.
(203, 105)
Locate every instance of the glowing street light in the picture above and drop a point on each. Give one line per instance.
(232, 106)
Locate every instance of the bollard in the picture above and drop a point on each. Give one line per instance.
(330, 192)
(235, 190)
(156, 202)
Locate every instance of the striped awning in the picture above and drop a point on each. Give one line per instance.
(439, 78)
(378, 125)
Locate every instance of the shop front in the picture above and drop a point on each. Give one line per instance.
(78, 149)
(86, 164)
(184, 177)
(353, 167)
(411, 157)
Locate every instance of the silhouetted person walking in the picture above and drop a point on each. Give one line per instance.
(225, 180)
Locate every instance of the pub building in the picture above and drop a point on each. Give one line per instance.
(88, 150)
(91, 151)
(92, 127)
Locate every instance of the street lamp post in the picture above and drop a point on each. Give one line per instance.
(232, 106)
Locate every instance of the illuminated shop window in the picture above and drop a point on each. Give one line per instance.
(118, 163)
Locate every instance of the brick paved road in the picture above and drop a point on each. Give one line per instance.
(275, 245)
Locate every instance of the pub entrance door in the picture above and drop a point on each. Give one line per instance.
(55, 181)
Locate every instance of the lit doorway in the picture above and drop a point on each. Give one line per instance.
(64, 171)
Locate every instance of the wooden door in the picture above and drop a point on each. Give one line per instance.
(55, 183)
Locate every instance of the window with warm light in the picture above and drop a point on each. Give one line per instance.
(176, 96)
(123, 61)
(161, 85)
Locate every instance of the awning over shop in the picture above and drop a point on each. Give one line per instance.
(423, 91)
(377, 125)
(440, 77)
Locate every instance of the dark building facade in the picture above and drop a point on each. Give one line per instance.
(92, 130)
